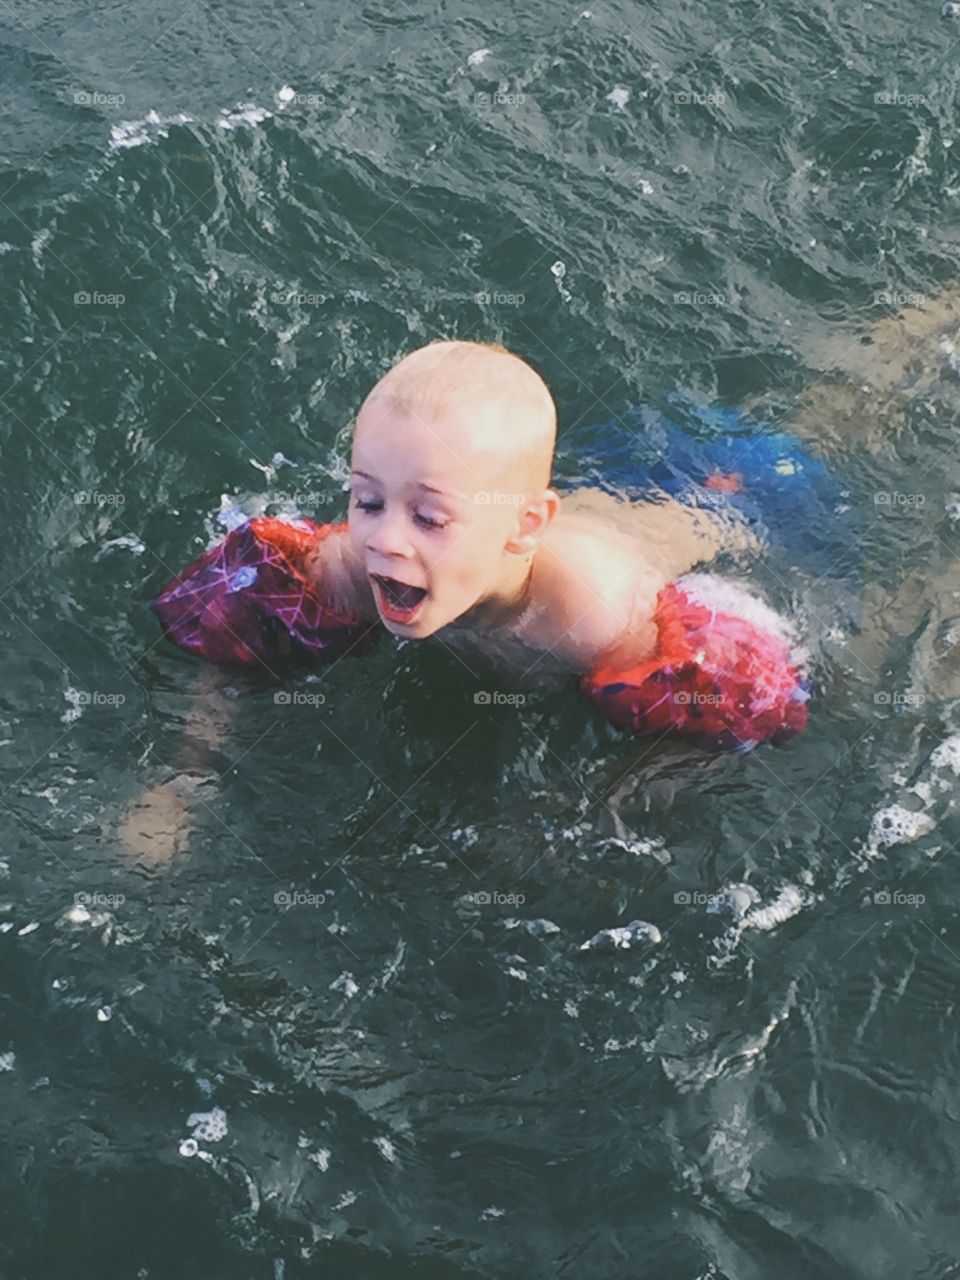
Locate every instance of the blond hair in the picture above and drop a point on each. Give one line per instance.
(450, 376)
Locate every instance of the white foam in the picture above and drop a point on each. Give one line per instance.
(624, 937)
(739, 898)
(77, 702)
(947, 755)
(208, 1126)
(559, 271)
(540, 928)
(153, 127)
(720, 595)
(346, 984)
(477, 57)
(619, 97)
(948, 348)
(386, 1149)
(785, 905)
(230, 516)
(245, 113)
(897, 825)
(126, 542)
(135, 133)
(8, 1060)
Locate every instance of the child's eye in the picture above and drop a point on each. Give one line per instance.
(370, 505)
(429, 523)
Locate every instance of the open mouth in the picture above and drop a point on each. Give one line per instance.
(398, 601)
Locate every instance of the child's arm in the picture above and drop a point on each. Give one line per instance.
(157, 823)
(252, 599)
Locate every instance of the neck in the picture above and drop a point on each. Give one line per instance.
(506, 603)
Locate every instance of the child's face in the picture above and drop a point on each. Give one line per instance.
(431, 514)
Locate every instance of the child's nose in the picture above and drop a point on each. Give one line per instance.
(389, 536)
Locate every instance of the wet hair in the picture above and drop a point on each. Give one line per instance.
(520, 417)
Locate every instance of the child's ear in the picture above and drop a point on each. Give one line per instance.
(533, 522)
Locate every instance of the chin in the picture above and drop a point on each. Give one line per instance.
(418, 630)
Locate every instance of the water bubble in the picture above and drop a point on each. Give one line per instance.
(346, 984)
(230, 516)
(785, 905)
(536, 928)
(623, 937)
(244, 577)
(558, 271)
(386, 1149)
(208, 1126)
(897, 825)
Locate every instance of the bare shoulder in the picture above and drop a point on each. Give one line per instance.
(594, 587)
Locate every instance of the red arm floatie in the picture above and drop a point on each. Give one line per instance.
(248, 600)
(723, 671)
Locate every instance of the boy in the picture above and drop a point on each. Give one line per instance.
(454, 531)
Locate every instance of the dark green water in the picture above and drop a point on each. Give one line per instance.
(414, 1084)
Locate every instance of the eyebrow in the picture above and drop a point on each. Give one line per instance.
(431, 488)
